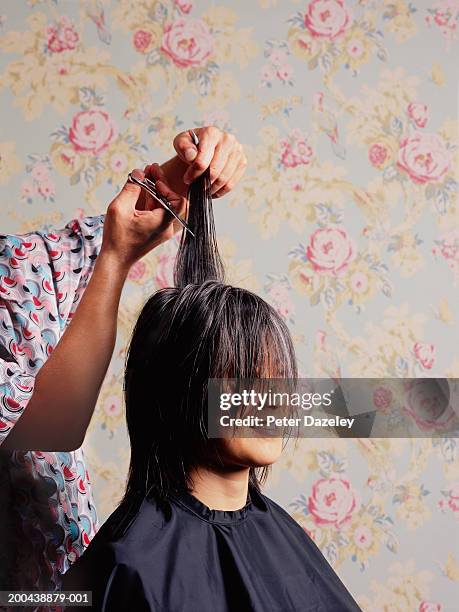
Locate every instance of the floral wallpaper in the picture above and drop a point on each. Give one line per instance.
(347, 221)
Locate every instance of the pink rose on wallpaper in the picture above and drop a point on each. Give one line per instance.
(165, 270)
(285, 309)
(429, 606)
(424, 157)
(278, 291)
(113, 406)
(40, 172)
(62, 36)
(448, 248)
(137, 270)
(268, 73)
(295, 150)
(28, 189)
(284, 72)
(92, 131)
(445, 16)
(358, 282)
(118, 162)
(326, 18)
(355, 47)
(363, 538)
(377, 154)
(47, 188)
(184, 6)
(332, 501)
(425, 354)
(188, 42)
(453, 498)
(426, 403)
(279, 66)
(382, 398)
(142, 40)
(418, 113)
(330, 250)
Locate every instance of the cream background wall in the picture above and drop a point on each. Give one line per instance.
(347, 221)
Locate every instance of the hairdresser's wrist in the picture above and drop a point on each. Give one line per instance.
(174, 170)
(114, 264)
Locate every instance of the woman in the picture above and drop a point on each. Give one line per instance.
(50, 380)
(193, 532)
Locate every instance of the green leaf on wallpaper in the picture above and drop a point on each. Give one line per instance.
(442, 201)
(392, 542)
(430, 191)
(382, 54)
(312, 64)
(331, 553)
(314, 299)
(75, 178)
(396, 126)
(329, 296)
(325, 61)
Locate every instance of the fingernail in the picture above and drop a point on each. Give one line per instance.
(138, 174)
(190, 154)
(186, 180)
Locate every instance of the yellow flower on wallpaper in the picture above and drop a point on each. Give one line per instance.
(364, 538)
(411, 506)
(231, 45)
(406, 588)
(10, 163)
(331, 34)
(286, 182)
(54, 65)
(357, 48)
(330, 271)
(391, 346)
(399, 18)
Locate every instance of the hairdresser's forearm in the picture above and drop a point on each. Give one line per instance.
(67, 386)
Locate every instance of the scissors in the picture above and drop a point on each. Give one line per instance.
(150, 187)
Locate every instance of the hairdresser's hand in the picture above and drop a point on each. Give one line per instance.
(218, 150)
(135, 223)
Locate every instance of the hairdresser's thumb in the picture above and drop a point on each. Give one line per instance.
(185, 147)
(130, 192)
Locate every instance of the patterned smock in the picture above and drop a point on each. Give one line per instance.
(47, 514)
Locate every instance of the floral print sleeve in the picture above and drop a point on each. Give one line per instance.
(42, 277)
(47, 516)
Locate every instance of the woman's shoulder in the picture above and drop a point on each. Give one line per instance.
(116, 544)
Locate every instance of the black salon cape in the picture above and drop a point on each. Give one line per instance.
(188, 558)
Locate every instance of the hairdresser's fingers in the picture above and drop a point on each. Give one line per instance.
(131, 193)
(221, 156)
(177, 202)
(230, 184)
(145, 201)
(209, 139)
(232, 164)
(154, 172)
(185, 147)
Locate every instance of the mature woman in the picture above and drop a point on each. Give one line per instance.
(193, 532)
(50, 380)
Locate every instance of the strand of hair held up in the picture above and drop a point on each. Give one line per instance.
(198, 259)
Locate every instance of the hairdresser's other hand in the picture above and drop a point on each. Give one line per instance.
(135, 223)
(217, 150)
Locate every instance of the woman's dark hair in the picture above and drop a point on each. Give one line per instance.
(185, 335)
